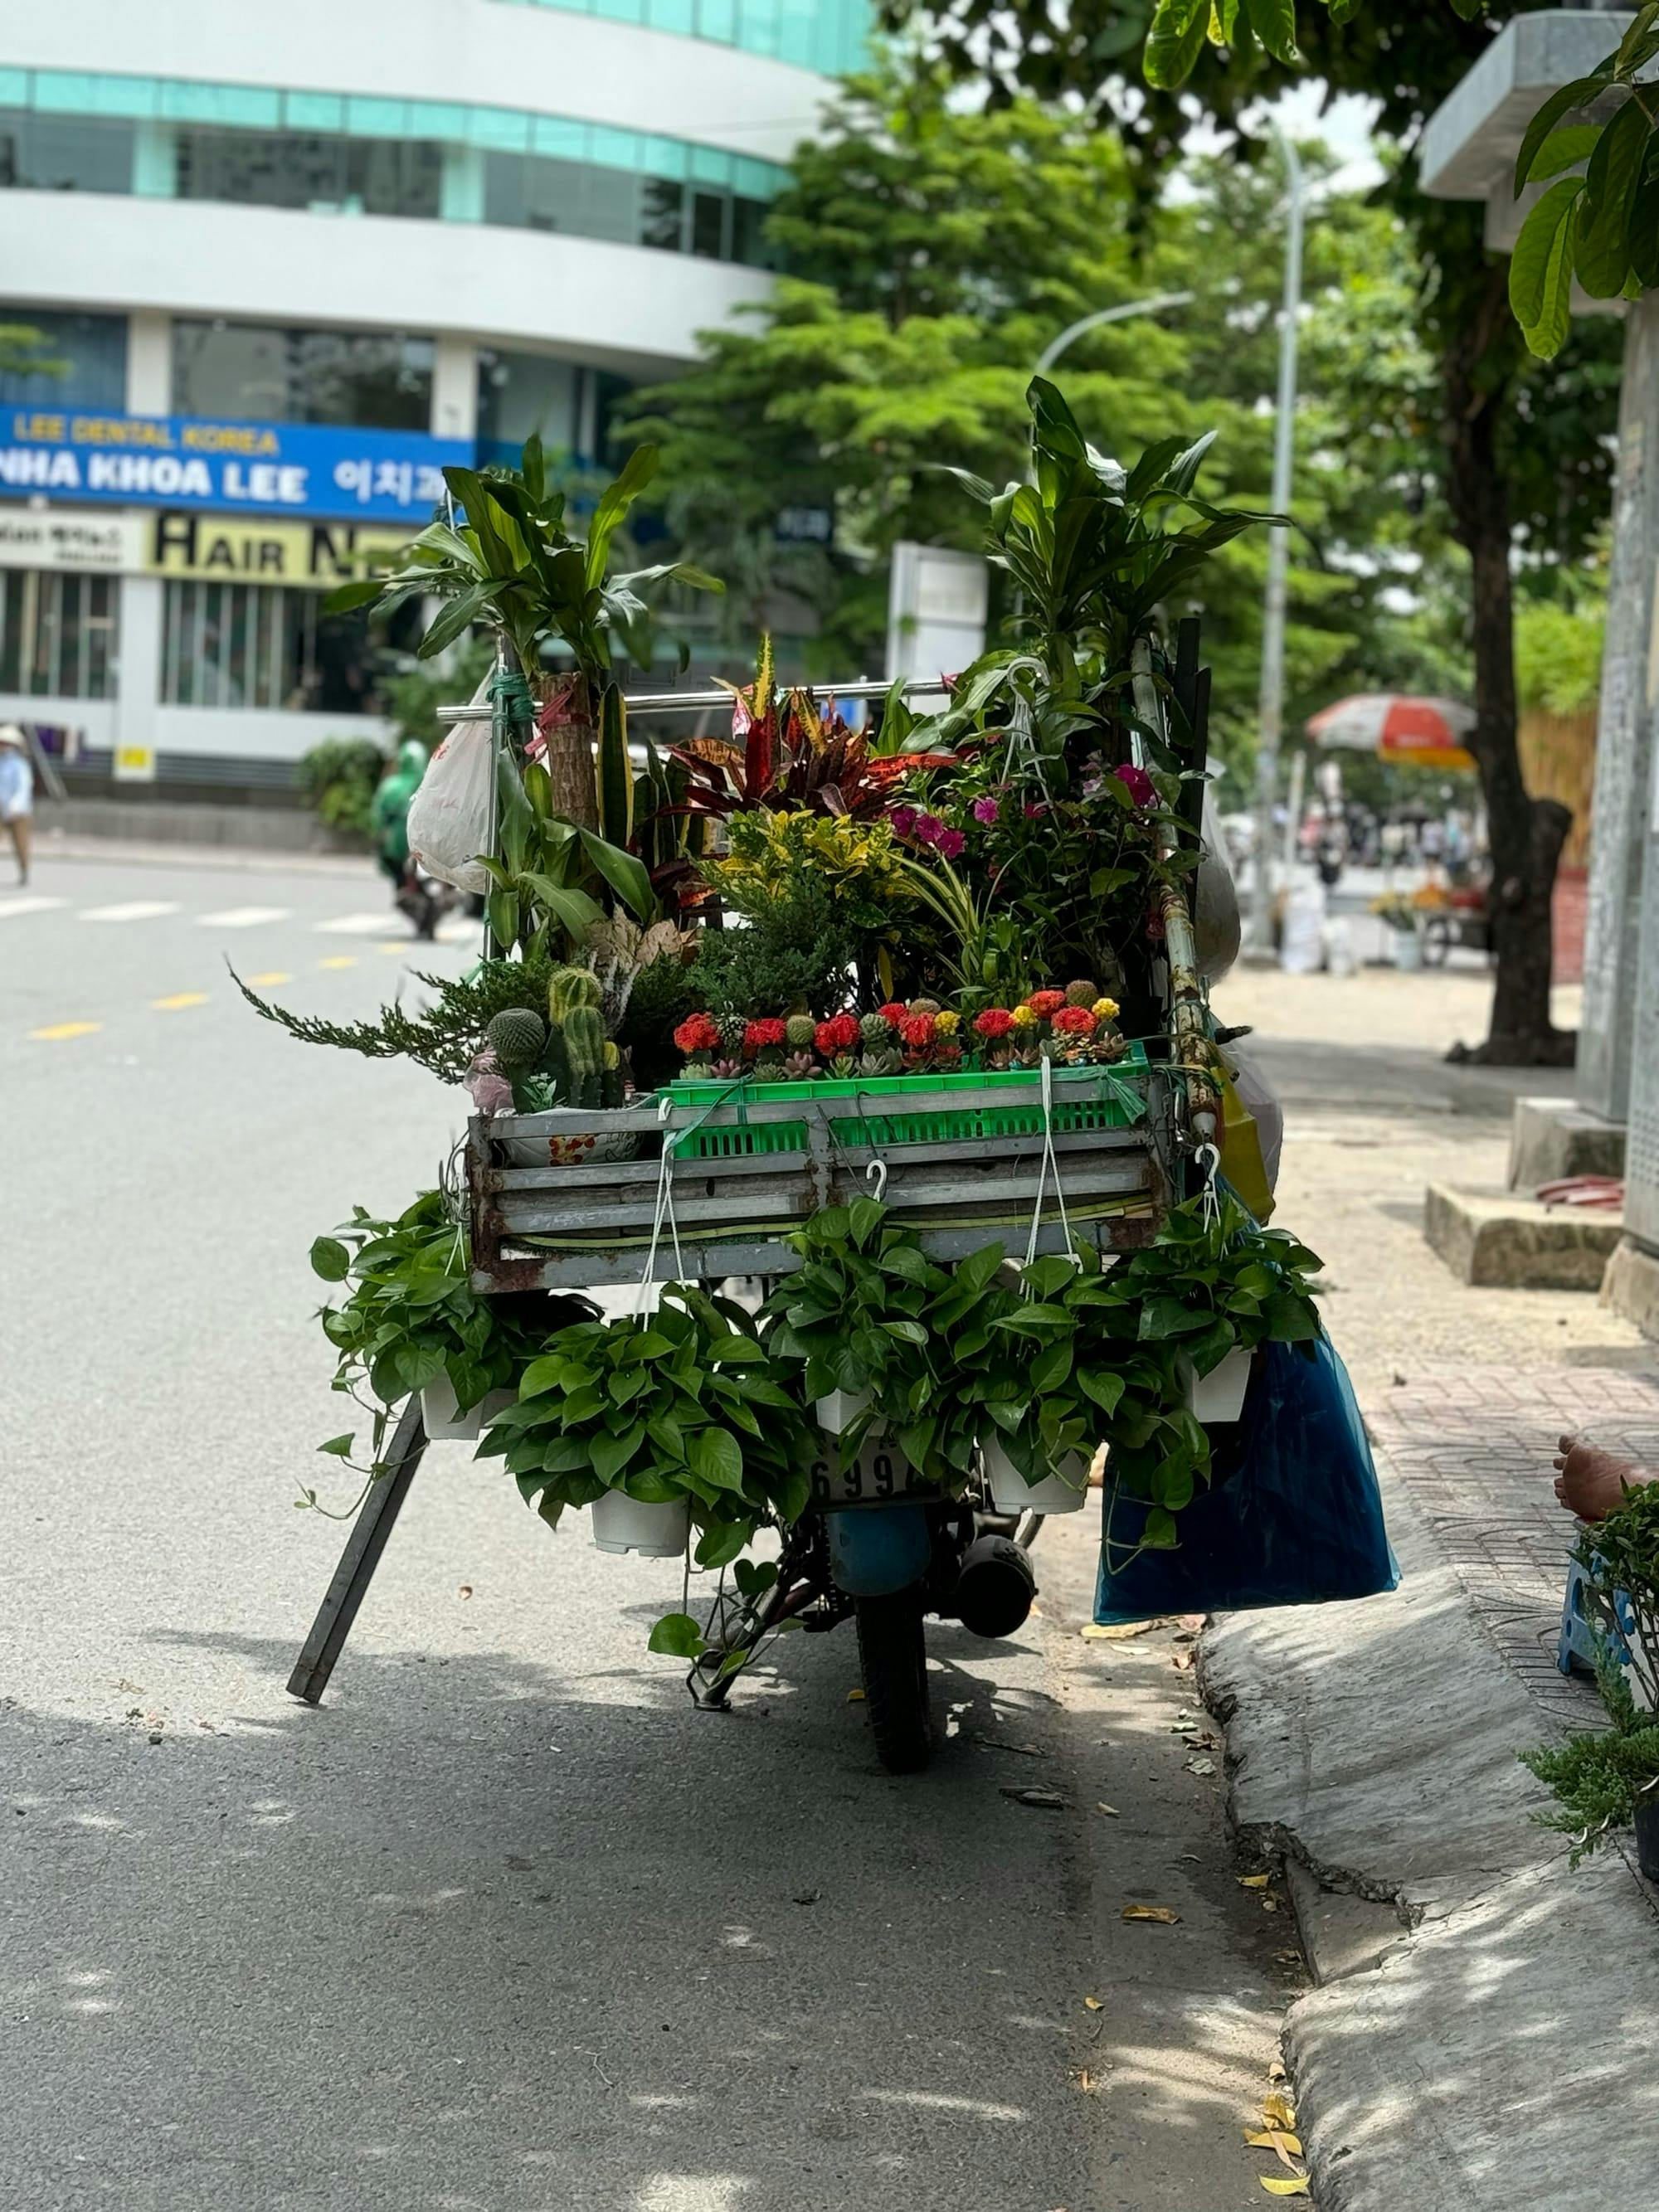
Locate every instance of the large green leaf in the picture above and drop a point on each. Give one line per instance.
(1601, 246)
(715, 1456)
(1541, 270)
(1175, 42)
(677, 1636)
(1562, 102)
(456, 619)
(615, 501)
(573, 910)
(1273, 22)
(627, 876)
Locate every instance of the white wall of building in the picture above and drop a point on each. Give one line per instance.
(626, 307)
(542, 59)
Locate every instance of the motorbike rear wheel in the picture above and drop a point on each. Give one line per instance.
(893, 1661)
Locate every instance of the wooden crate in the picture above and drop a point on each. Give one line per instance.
(571, 1227)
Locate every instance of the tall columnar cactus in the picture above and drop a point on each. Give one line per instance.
(612, 1075)
(577, 1044)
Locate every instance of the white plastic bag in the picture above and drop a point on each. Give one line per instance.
(452, 815)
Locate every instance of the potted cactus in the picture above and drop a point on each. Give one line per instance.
(562, 1063)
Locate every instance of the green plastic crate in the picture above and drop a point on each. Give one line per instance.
(1107, 1109)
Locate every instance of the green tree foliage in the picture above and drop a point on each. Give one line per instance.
(933, 252)
(1521, 455)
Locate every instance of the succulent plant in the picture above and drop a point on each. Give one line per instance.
(732, 1027)
(843, 1068)
(518, 1037)
(883, 1061)
(1082, 992)
(576, 1036)
(799, 1031)
(926, 1007)
(876, 1030)
(799, 1066)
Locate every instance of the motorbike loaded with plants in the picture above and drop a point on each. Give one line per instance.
(847, 1182)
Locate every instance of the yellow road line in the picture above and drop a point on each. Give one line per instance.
(62, 1030)
(268, 982)
(398, 949)
(339, 960)
(179, 1001)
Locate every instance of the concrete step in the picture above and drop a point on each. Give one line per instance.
(1498, 1240)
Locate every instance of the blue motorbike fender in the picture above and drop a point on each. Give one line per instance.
(876, 1550)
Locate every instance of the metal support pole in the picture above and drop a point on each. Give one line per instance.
(1272, 707)
(362, 1555)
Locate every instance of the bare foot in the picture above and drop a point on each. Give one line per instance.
(1592, 1483)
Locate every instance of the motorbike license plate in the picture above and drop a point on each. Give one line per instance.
(879, 1475)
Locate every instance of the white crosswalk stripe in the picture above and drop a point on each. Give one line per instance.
(132, 910)
(9, 907)
(356, 925)
(243, 917)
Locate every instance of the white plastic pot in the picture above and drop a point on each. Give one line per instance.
(442, 1419)
(1408, 950)
(621, 1523)
(555, 1149)
(1063, 1492)
(838, 1409)
(1217, 1398)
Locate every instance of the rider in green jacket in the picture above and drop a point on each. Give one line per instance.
(389, 809)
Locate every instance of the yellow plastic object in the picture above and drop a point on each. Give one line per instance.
(1241, 1150)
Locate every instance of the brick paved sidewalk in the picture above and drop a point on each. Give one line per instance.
(1472, 1447)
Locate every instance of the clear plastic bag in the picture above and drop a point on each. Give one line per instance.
(1293, 1514)
(452, 816)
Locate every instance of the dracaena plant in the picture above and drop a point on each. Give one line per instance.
(509, 560)
(675, 1404)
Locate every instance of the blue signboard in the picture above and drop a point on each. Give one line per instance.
(254, 468)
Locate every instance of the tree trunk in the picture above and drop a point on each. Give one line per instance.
(1527, 834)
(564, 717)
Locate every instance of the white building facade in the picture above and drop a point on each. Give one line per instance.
(280, 263)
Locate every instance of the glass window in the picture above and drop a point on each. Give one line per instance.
(57, 633)
(65, 152)
(258, 645)
(256, 373)
(709, 225)
(611, 206)
(87, 358)
(298, 170)
(522, 392)
(748, 233)
(662, 214)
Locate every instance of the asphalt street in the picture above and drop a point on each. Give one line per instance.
(505, 1925)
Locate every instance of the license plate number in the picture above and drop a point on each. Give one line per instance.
(877, 1474)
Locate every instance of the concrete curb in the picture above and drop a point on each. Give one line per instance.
(1494, 2050)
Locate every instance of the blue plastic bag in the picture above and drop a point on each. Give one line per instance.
(1293, 1515)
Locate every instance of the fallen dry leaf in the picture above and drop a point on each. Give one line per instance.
(1199, 1765)
(1165, 1916)
(1182, 1662)
(1254, 1880)
(1276, 2070)
(1270, 1905)
(1001, 1743)
(855, 1696)
(1111, 1810)
(1277, 2111)
(466, 1589)
(1276, 2140)
(1049, 1801)
(1116, 1632)
(1093, 2004)
(1085, 2080)
(1284, 2185)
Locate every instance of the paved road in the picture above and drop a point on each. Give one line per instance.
(505, 1926)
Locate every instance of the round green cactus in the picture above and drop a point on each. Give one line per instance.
(1082, 992)
(518, 1037)
(798, 1032)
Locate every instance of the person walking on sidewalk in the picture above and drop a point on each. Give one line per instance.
(16, 794)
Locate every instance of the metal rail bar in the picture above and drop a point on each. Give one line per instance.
(698, 702)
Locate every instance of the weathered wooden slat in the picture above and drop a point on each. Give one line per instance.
(629, 1174)
(539, 1216)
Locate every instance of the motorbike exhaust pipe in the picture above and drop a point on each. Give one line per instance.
(994, 1587)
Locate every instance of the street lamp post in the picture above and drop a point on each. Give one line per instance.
(1158, 301)
(1271, 707)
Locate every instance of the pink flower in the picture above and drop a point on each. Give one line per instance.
(1035, 808)
(929, 829)
(948, 843)
(986, 810)
(904, 820)
(1136, 781)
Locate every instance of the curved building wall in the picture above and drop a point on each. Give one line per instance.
(422, 228)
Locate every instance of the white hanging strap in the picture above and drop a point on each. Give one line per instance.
(1048, 1162)
(665, 1212)
(1209, 1160)
(876, 1173)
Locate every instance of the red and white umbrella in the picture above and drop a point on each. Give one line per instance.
(1416, 733)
